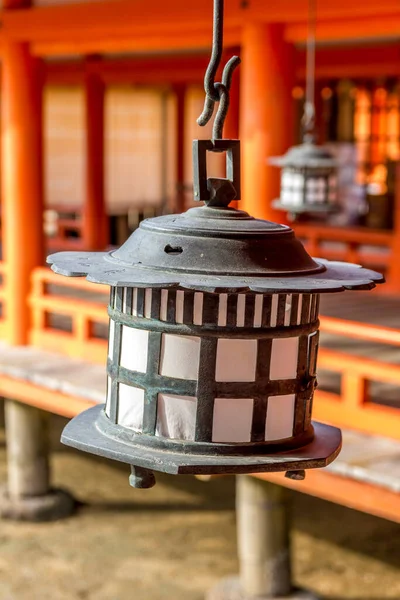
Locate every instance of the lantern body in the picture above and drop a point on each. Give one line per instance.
(309, 181)
(213, 368)
(213, 345)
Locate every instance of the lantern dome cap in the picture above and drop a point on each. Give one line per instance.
(307, 154)
(215, 250)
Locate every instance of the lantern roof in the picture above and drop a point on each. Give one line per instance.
(214, 249)
(307, 154)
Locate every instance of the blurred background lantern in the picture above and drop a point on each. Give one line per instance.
(213, 335)
(309, 179)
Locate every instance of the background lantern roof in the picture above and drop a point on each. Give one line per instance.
(306, 155)
(214, 250)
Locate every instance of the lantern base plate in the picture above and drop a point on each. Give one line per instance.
(57, 504)
(83, 433)
(229, 589)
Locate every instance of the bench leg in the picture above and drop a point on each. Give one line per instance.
(27, 495)
(263, 544)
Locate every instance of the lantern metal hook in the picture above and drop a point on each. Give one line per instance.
(217, 91)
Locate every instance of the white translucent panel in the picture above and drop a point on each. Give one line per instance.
(311, 185)
(134, 302)
(180, 356)
(258, 310)
(148, 297)
(130, 407)
(241, 307)
(164, 305)
(232, 420)
(111, 335)
(333, 182)
(288, 308)
(274, 310)
(108, 397)
(180, 299)
(286, 179)
(198, 309)
(292, 181)
(124, 300)
(284, 358)
(292, 197)
(299, 309)
(312, 353)
(280, 417)
(223, 310)
(176, 417)
(236, 360)
(134, 349)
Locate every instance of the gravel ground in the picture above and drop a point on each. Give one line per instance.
(176, 540)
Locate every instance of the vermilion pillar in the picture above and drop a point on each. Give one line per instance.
(180, 95)
(95, 231)
(22, 198)
(266, 122)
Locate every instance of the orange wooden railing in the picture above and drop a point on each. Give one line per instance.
(353, 406)
(60, 223)
(350, 244)
(84, 304)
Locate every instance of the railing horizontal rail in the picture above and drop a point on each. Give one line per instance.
(361, 331)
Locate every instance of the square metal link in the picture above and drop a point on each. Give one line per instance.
(200, 149)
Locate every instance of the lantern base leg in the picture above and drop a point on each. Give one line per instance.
(28, 495)
(57, 504)
(263, 517)
(141, 478)
(230, 589)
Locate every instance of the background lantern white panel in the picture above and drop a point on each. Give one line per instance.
(161, 372)
(292, 187)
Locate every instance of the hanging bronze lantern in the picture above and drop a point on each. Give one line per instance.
(309, 181)
(213, 335)
(309, 178)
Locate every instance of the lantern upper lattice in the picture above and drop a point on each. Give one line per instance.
(309, 181)
(212, 347)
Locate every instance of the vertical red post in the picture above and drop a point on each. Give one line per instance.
(95, 222)
(266, 112)
(180, 95)
(21, 182)
(393, 274)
